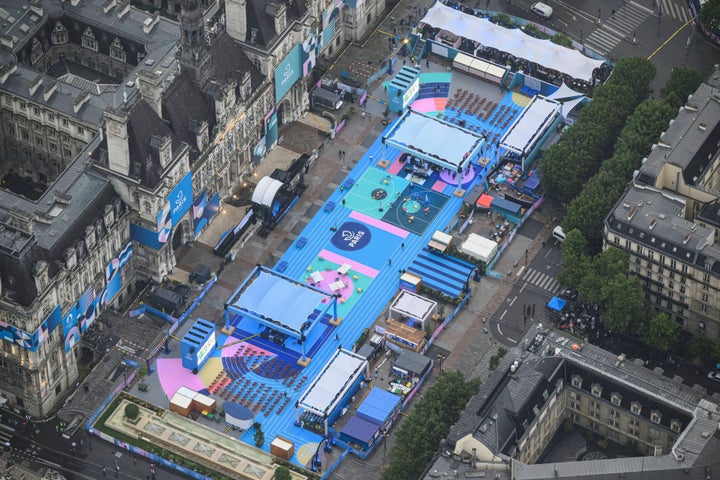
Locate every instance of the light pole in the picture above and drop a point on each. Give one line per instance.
(441, 358)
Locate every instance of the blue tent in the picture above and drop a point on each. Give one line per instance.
(557, 304)
(360, 432)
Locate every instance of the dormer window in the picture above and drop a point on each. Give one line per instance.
(616, 399)
(89, 41)
(596, 390)
(655, 416)
(117, 50)
(636, 408)
(675, 425)
(59, 34)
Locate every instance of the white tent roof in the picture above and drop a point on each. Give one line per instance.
(515, 41)
(336, 378)
(530, 125)
(479, 247)
(569, 98)
(414, 306)
(265, 191)
(435, 138)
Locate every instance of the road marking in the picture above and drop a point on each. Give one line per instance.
(503, 316)
(523, 287)
(511, 339)
(499, 329)
(513, 300)
(520, 270)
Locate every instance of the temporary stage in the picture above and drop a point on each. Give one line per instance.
(333, 387)
(280, 303)
(513, 41)
(435, 141)
(529, 127)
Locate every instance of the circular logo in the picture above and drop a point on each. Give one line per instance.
(351, 236)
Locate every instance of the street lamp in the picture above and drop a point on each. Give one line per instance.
(440, 358)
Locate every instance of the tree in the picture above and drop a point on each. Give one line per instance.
(282, 473)
(421, 432)
(710, 15)
(683, 81)
(575, 259)
(702, 347)
(132, 411)
(660, 332)
(624, 304)
(258, 436)
(588, 210)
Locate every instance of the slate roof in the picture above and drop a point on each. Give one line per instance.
(143, 125)
(260, 17)
(693, 135)
(496, 415)
(655, 219)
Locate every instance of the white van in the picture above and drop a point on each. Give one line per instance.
(558, 234)
(542, 9)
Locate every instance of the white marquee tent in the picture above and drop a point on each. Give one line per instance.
(323, 396)
(530, 125)
(512, 41)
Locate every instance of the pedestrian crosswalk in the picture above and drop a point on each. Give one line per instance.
(677, 10)
(623, 22)
(622, 25)
(541, 280)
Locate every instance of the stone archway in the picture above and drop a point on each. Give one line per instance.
(285, 112)
(181, 235)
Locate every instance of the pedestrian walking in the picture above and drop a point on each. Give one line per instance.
(362, 114)
(104, 470)
(337, 337)
(389, 261)
(427, 63)
(402, 245)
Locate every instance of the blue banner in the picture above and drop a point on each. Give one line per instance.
(288, 72)
(271, 132)
(145, 236)
(180, 199)
(199, 220)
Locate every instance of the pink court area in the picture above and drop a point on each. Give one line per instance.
(396, 166)
(425, 105)
(439, 186)
(374, 222)
(173, 375)
(358, 267)
(330, 277)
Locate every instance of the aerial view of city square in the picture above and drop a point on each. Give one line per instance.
(360, 239)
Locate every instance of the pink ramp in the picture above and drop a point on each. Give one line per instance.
(173, 376)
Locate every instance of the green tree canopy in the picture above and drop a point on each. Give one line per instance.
(419, 435)
(575, 259)
(702, 347)
(683, 81)
(660, 332)
(132, 411)
(282, 473)
(710, 15)
(623, 306)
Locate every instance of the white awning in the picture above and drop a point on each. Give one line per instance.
(512, 41)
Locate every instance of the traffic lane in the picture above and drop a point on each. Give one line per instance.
(47, 447)
(522, 307)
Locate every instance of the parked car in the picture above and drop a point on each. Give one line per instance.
(714, 376)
